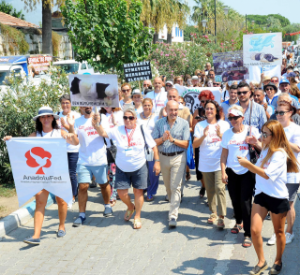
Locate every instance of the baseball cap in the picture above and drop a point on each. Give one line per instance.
(296, 70)
(235, 112)
(270, 85)
(136, 92)
(194, 77)
(284, 80)
(169, 82)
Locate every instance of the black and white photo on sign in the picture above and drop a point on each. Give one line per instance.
(137, 71)
(94, 90)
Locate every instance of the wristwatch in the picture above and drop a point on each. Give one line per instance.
(173, 141)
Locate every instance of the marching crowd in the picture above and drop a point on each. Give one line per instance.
(250, 142)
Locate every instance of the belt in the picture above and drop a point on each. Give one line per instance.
(171, 154)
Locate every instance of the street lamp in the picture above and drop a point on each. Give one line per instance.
(226, 10)
(204, 21)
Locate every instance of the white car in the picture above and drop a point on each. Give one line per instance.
(72, 66)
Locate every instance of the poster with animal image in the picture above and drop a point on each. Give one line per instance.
(229, 66)
(37, 164)
(190, 95)
(94, 90)
(262, 49)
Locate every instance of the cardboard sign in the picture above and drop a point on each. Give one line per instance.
(262, 49)
(137, 71)
(39, 63)
(229, 66)
(94, 90)
(37, 164)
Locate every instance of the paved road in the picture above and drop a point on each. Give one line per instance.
(112, 246)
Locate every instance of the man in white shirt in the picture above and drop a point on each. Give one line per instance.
(158, 96)
(92, 161)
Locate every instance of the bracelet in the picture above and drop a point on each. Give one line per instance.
(156, 160)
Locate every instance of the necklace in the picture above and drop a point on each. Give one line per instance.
(145, 116)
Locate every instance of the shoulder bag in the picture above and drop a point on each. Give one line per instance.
(148, 152)
(111, 152)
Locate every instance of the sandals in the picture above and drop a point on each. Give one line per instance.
(202, 192)
(259, 269)
(221, 224)
(212, 218)
(112, 203)
(236, 229)
(188, 176)
(129, 214)
(137, 224)
(247, 242)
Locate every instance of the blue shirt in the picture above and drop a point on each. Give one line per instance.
(258, 116)
(180, 130)
(295, 102)
(225, 106)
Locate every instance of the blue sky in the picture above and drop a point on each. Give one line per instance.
(289, 9)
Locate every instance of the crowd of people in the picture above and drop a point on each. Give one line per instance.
(248, 143)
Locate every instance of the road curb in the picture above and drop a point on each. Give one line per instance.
(20, 217)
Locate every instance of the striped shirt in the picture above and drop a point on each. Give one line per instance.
(180, 130)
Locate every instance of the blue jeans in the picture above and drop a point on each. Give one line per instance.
(153, 180)
(72, 159)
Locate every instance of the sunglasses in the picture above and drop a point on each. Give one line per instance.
(269, 89)
(211, 75)
(203, 101)
(242, 93)
(168, 85)
(265, 135)
(233, 118)
(124, 91)
(128, 117)
(281, 113)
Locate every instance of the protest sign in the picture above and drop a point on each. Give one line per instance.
(229, 67)
(190, 95)
(39, 63)
(94, 90)
(37, 164)
(268, 70)
(262, 49)
(137, 71)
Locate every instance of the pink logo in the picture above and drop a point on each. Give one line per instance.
(38, 157)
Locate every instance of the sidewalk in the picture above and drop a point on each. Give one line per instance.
(112, 246)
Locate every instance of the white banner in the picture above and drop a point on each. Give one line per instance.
(261, 49)
(37, 164)
(268, 70)
(94, 90)
(190, 95)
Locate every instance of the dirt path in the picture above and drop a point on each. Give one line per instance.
(9, 205)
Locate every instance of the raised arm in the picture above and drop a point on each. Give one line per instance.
(96, 119)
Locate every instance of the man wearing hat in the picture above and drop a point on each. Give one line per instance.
(195, 81)
(168, 85)
(284, 86)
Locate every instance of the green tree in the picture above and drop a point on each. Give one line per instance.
(107, 33)
(9, 9)
(290, 29)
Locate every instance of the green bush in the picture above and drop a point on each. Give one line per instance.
(19, 105)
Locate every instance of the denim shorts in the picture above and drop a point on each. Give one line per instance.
(293, 189)
(85, 173)
(138, 178)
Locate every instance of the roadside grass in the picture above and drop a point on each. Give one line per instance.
(2, 208)
(7, 191)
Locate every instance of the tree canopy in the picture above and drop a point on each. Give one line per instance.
(9, 9)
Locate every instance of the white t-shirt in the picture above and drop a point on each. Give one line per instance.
(292, 133)
(130, 159)
(124, 106)
(92, 151)
(55, 133)
(236, 145)
(118, 119)
(158, 99)
(276, 169)
(139, 110)
(70, 148)
(210, 149)
(148, 123)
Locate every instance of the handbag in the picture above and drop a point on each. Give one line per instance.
(148, 152)
(111, 152)
(254, 154)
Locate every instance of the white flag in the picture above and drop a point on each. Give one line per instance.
(37, 164)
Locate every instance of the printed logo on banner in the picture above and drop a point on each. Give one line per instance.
(38, 157)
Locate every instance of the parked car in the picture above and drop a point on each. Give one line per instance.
(74, 67)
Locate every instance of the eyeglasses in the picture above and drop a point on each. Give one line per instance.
(128, 117)
(242, 93)
(203, 101)
(269, 89)
(45, 116)
(233, 118)
(65, 103)
(168, 85)
(265, 135)
(281, 113)
(125, 91)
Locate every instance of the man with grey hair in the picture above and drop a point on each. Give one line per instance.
(171, 135)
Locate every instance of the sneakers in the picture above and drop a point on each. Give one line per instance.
(32, 241)
(289, 237)
(172, 223)
(108, 211)
(272, 240)
(268, 217)
(79, 221)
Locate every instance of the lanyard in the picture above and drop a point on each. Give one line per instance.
(129, 137)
